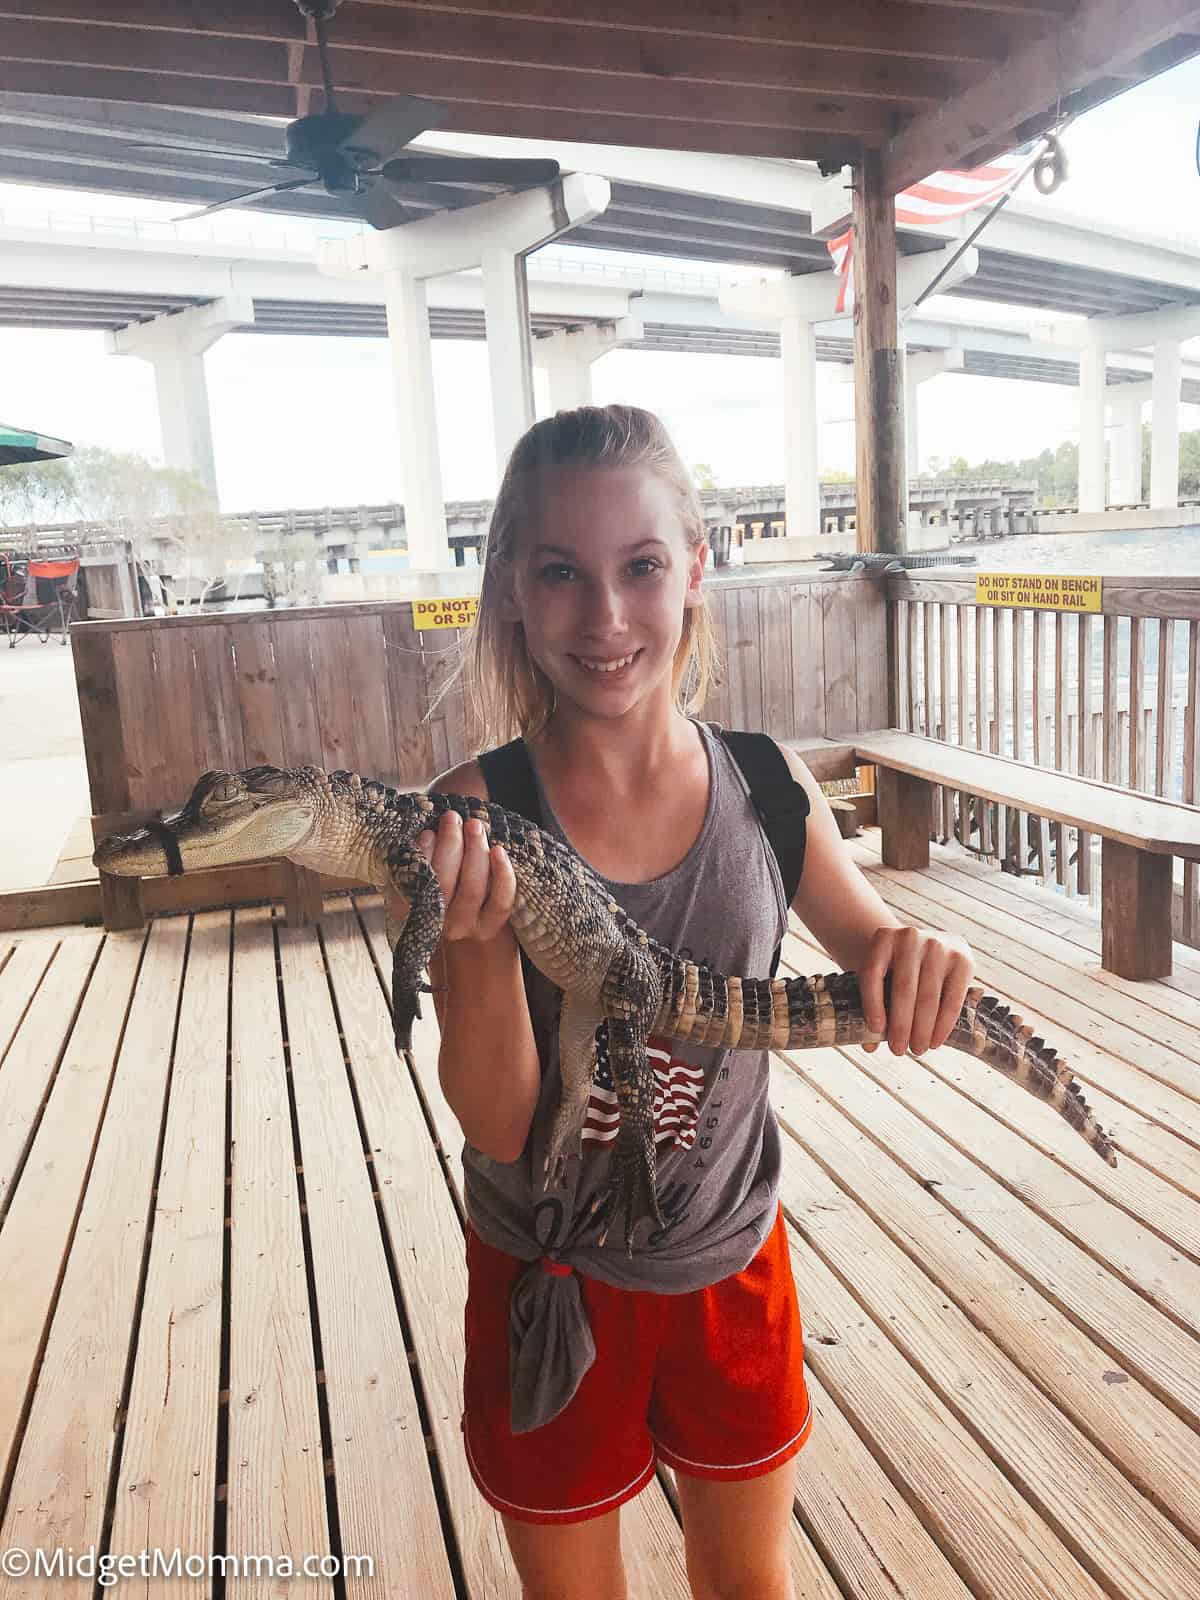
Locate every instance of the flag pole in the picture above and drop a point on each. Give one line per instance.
(975, 232)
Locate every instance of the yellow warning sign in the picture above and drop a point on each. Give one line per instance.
(445, 613)
(1046, 591)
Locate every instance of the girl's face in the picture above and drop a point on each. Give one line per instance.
(602, 576)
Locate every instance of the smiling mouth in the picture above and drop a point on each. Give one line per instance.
(605, 669)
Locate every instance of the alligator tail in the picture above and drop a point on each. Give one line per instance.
(707, 1008)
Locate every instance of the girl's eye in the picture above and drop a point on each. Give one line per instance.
(556, 572)
(648, 563)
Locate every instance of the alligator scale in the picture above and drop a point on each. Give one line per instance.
(573, 931)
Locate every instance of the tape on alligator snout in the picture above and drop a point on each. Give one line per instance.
(170, 845)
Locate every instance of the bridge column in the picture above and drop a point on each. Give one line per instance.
(496, 236)
(1091, 428)
(802, 485)
(1164, 426)
(919, 367)
(567, 357)
(799, 303)
(506, 317)
(411, 351)
(174, 345)
(1161, 330)
(1125, 402)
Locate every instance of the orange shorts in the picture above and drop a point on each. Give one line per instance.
(710, 1382)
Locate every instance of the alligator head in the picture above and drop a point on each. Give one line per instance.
(228, 817)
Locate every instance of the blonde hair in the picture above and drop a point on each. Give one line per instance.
(508, 691)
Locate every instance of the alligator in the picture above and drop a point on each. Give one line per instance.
(564, 918)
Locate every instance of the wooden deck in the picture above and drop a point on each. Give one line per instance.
(231, 1273)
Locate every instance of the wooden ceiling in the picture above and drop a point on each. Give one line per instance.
(928, 84)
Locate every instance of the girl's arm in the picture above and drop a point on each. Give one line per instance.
(488, 1062)
(931, 972)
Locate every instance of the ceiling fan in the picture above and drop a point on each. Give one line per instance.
(356, 158)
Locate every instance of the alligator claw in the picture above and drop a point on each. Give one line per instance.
(405, 1010)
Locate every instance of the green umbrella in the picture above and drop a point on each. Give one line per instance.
(17, 445)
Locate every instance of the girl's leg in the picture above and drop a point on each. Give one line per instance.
(569, 1561)
(737, 1535)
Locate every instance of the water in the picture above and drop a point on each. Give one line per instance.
(1155, 552)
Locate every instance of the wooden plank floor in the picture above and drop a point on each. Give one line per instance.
(232, 1278)
(74, 864)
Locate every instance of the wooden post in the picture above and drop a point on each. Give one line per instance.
(903, 803)
(302, 898)
(1135, 911)
(121, 906)
(878, 418)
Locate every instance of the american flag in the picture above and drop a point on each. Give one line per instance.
(677, 1089)
(939, 198)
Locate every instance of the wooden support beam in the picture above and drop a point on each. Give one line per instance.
(121, 905)
(303, 896)
(917, 32)
(877, 382)
(1020, 98)
(210, 888)
(1135, 911)
(903, 807)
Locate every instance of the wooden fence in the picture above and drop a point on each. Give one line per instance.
(164, 699)
(1113, 696)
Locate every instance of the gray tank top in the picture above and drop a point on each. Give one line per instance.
(717, 1140)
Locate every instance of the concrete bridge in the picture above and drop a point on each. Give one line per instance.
(165, 295)
(747, 516)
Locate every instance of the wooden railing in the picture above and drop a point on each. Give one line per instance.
(164, 699)
(1113, 696)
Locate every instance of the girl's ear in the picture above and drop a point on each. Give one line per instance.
(697, 558)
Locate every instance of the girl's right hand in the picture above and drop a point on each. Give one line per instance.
(478, 883)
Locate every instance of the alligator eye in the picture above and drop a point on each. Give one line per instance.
(227, 789)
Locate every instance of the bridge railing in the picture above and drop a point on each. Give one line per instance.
(1112, 695)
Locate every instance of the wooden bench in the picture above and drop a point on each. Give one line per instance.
(1140, 834)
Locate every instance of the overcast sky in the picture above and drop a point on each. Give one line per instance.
(309, 421)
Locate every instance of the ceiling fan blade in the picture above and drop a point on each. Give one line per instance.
(240, 199)
(379, 206)
(388, 127)
(418, 168)
(210, 150)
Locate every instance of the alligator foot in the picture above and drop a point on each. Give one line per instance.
(554, 1171)
(636, 1197)
(406, 1009)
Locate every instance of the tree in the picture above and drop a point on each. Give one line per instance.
(293, 570)
(40, 491)
(702, 477)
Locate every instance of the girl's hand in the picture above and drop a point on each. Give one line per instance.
(931, 973)
(478, 883)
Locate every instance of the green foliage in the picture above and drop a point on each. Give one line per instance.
(41, 491)
(167, 514)
(293, 570)
(1056, 472)
(1189, 463)
(702, 477)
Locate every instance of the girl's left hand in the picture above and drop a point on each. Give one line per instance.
(931, 973)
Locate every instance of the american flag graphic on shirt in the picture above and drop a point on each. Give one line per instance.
(678, 1086)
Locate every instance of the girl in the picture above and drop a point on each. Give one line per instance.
(585, 1367)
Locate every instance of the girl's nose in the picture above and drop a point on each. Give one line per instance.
(605, 609)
